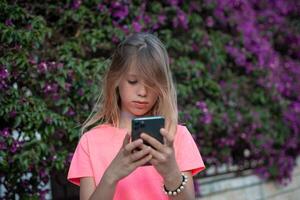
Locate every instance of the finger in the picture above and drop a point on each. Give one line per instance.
(157, 155)
(142, 161)
(126, 140)
(169, 141)
(139, 154)
(139, 148)
(131, 146)
(152, 141)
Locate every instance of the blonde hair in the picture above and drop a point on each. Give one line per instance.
(147, 53)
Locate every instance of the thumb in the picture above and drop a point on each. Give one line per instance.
(126, 140)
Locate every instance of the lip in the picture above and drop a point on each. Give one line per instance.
(140, 102)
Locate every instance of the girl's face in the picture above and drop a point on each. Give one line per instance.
(136, 98)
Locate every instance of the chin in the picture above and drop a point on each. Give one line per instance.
(141, 113)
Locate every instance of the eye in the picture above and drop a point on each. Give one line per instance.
(132, 82)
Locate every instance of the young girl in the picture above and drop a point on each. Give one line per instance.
(106, 165)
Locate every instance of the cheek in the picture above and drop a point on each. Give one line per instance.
(154, 98)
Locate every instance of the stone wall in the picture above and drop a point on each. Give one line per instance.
(248, 187)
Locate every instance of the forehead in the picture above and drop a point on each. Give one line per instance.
(132, 71)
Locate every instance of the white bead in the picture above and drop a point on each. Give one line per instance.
(170, 192)
(174, 193)
(166, 192)
(181, 187)
(183, 183)
(178, 190)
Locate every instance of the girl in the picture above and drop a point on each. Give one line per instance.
(106, 165)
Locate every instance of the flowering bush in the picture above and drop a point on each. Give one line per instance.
(235, 63)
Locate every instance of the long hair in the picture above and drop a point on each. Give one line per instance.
(147, 53)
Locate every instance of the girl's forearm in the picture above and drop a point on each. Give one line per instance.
(105, 189)
(173, 182)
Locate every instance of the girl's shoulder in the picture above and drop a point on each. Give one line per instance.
(182, 132)
(101, 130)
(181, 128)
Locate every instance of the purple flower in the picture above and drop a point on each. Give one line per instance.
(80, 92)
(115, 39)
(68, 86)
(32, 60)
(187, 117)
(76, 4)
(15, 146)
(201, 105)
(70, 112)
(60, 65)
(71, 75)
(42, 67)
(194, 6)
(44, 176)
(90, 82)
(262, 172)
(295, 106)
(118, 10)
(8, 22)
(173, 2)
(180, 20)
(69, 157)
(137, 26)
(101, 7)
(4, 132)
(3, 73)
(48, 120)
(209, 22)
(55, 96)
(195, 47)
(147, 19)
(238, 56)
(207, 118)
(161, 19)
(12, 114)
(50, 88)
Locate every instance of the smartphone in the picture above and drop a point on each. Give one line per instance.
(150, 125)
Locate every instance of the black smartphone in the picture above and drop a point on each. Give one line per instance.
(150, 125)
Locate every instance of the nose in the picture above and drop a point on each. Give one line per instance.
(142, 90)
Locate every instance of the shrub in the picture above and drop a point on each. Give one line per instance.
(235, 63)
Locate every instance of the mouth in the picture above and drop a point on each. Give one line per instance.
(140, 102)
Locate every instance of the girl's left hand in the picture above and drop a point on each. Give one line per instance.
(163, 155)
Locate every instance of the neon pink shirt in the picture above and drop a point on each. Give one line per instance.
(99, 146)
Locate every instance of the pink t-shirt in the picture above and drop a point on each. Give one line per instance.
(99, 146)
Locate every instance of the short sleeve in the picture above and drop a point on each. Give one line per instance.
(187, 153)
(81, 164)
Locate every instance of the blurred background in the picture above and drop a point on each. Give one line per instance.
(236, 64)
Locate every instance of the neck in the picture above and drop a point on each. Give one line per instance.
(125, 120)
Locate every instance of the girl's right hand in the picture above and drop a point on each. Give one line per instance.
(127, 160)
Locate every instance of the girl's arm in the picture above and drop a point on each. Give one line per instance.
(105, 189)
(165, 163)
(188, 193)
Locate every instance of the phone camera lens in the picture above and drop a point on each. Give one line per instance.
(136, 125)
(142, 124)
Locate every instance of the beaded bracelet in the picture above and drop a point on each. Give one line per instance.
(179, 189)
